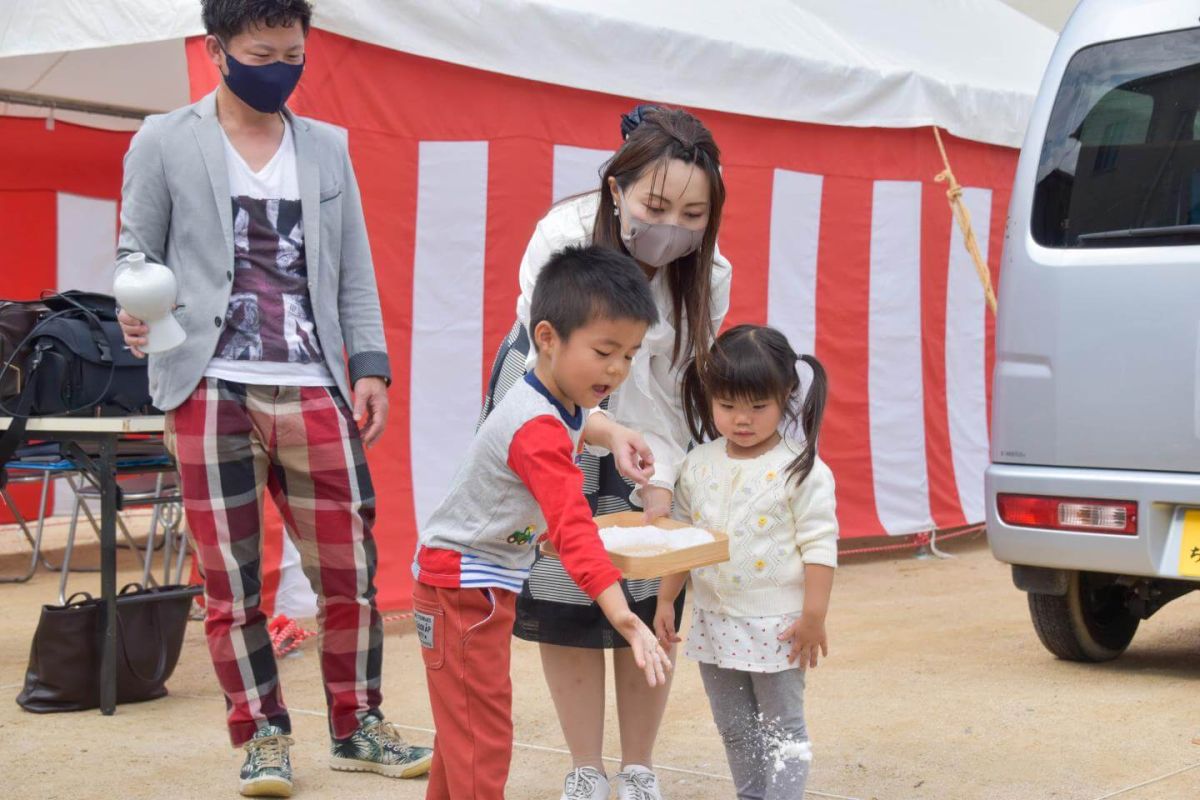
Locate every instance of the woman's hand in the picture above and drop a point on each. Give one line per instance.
(808, 639)
(656, 502)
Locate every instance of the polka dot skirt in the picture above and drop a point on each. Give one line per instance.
(750, 644)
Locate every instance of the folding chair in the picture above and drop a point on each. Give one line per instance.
(143, 482)
(19, 472)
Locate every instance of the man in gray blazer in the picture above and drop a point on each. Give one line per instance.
(257, 212)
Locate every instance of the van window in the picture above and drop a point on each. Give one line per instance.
(1120, 164)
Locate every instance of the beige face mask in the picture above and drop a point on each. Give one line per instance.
(657, 244)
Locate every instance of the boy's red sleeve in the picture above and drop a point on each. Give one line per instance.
(541, 456)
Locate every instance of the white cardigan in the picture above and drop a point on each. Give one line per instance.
(774, 526)
(649, 401)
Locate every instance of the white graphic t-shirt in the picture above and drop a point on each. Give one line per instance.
(269, 336)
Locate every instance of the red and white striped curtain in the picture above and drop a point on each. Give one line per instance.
(838, 236)
(58, 220)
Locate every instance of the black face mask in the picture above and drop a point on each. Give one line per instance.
(264, 88)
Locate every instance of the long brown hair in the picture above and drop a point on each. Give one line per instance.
(665, 134)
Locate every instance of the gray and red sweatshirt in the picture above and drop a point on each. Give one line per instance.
(519, 480)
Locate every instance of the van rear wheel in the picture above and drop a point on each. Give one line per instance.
(1091, 622)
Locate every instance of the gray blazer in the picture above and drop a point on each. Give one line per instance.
(175, 208)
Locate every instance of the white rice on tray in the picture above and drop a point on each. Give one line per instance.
(650, 540)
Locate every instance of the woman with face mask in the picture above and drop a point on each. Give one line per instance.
(660, 201)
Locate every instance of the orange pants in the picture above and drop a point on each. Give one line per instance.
(466, 641)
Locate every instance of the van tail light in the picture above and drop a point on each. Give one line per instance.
(1068, 513)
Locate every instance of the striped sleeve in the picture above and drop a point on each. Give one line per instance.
(541, 456)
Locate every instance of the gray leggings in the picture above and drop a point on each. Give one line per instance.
(761, 719)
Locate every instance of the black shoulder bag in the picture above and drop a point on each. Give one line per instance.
(72, 361)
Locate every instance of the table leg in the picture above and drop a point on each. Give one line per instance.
(108, 573)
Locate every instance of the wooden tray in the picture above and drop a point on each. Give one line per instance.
(639, 567)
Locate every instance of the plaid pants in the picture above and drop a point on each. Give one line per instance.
(229, 441)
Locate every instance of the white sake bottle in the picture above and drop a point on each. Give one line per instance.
(147, 291)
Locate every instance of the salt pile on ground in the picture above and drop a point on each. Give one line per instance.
(785, 751)
(650, 540)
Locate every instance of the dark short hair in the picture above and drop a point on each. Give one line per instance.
(227, 18)
(755, 362)
(582, 284)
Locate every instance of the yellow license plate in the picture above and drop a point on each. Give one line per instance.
(1189, 546)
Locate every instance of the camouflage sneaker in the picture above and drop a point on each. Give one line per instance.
(267, 771)
(378, 747)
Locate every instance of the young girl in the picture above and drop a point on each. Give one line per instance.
(758, 620)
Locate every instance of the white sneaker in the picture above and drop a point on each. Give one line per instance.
(638, 783)
(585, 783)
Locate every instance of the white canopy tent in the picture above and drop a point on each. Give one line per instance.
(851, 62)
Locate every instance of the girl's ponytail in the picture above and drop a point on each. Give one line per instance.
(811, 414)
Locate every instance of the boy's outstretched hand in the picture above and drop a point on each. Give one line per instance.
(631, 454)
(650, 658)
(634, 461)
(808, 639)
(648, 654)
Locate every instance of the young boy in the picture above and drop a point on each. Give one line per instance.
(590, 310)
(231, 193)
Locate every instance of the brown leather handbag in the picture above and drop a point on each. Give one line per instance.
(64, 659)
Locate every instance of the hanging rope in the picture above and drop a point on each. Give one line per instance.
(963, 216)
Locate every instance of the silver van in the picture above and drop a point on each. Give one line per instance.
(1093, 493)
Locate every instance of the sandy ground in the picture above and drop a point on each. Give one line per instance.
(936, 688)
